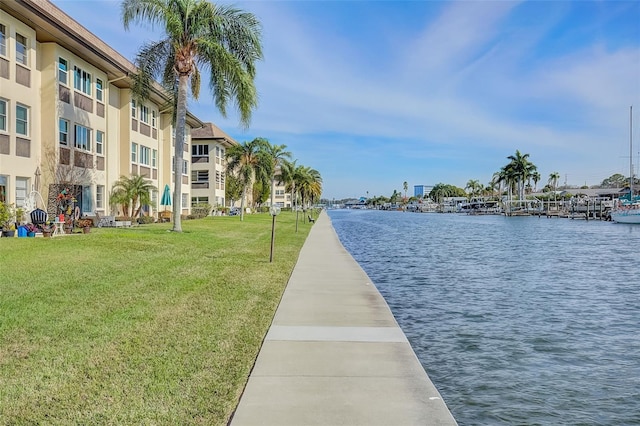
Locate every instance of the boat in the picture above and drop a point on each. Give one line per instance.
(627, 210)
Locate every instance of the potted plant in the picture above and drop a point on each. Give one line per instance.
(85, 224)
(68, 225)
(7, 219)
(31, 229)
(47, 230)
(19, 215)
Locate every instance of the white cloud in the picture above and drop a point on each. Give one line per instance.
(452, 87)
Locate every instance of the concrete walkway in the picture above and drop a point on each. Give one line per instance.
(334, 354)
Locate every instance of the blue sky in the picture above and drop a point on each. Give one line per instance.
(375, 93)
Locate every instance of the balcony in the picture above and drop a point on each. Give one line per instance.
(199, 159)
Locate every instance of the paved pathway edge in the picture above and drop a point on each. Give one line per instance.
(334, 354)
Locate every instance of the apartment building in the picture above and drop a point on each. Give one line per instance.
(281, 197)
(208, 165)
(67, 115)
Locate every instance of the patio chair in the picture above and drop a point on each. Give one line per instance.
(38, 217)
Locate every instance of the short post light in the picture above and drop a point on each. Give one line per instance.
(274, 211)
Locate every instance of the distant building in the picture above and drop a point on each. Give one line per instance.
(208, 165)
(421, 190)
(281, 197)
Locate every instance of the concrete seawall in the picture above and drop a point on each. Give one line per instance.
(334, 354)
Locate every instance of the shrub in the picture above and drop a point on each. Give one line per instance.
(200, 210)
(145, 220)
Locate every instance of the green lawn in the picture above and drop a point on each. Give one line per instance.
(139, 325)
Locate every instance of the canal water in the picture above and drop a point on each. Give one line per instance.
(517, 321)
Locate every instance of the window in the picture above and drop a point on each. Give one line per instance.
(3, 188)
(3, 40)
(185, 201)
(21, 192)
(133, 109)
(99, 89)
(144, 113)
(63, 71)
(83, 138)
(154, 158)
(185, 167)
(63, 131)
(144, 155)
(200, 176)
(134, 152)
(154, 118)
(3, 115)
(22, 120)
(199, 200)
(100, 196)
(82, 81)
(200, 150)
(21, 49)
(99, 142)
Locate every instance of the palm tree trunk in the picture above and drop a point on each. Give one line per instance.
(273, 189)
(181, 124)
(244, 197)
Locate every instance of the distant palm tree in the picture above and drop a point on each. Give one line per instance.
(535, 176)
(277, 155)
(248, 163)
(221, 39)
(309, 183)
(553, 181)
(473, 186)
(520, 168)
(132, 193)
(286, 177)
(405, 186)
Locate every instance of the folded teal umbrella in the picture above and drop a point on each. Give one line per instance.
(166, 196)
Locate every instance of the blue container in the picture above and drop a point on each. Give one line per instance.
(22, 231)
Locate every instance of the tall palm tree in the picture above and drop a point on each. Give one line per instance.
(287, 177)
(277, 155)
(132, 193)
(405, 186)
(221, 39)
(309, 183)
(553, 181)
(535, 176)
(473, 185)
(520, 168)
(248, 163)
(496, 183)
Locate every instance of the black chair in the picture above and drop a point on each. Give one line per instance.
(312, 220)
(38, 217)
